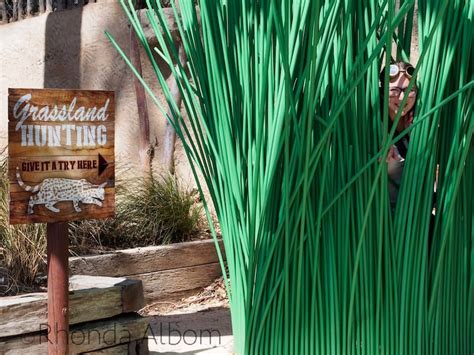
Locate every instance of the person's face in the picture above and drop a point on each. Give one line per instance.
(397, 91)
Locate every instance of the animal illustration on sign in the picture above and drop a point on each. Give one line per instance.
(53, 190)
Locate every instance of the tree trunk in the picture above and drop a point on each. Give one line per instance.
(20, 10)
(170, 133)
(145, 151)
(49, 5)
(29, 8)
(14, 11)
(3, 11)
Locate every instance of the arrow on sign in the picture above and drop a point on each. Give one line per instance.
(102, 164)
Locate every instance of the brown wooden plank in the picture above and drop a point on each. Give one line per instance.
(46, 126)
(132, 289)
(84, 337)
(162, 284)
(122, 349)
(42, 97)
(36, 153)
(137, 347)
(19, 206)
(67, 147)
(133, 297)
(145, 260)
(90, 299)
(78, 168)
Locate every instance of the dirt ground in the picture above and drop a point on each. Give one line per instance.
(198, 324)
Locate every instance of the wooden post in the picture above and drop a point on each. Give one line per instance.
(58, 288)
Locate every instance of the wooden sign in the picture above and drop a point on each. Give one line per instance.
(61, 155)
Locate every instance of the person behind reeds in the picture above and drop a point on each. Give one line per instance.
(400, 75)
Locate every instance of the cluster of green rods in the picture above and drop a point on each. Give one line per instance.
(286, 130)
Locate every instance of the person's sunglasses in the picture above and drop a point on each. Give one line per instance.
(395, 70)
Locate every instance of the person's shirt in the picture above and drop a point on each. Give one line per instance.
(396, 162)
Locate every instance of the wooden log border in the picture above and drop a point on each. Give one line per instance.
(106, 296)
(165, 271)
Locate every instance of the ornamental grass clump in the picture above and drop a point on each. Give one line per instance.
(158, 210)
(151, 210)
(284, 122)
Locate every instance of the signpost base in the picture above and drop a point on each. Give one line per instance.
(58, 288)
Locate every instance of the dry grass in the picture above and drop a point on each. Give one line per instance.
(22, 247)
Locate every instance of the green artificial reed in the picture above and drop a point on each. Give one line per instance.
(435, 253)
(283, 120)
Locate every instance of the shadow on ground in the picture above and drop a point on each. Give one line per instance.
(204, 332)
